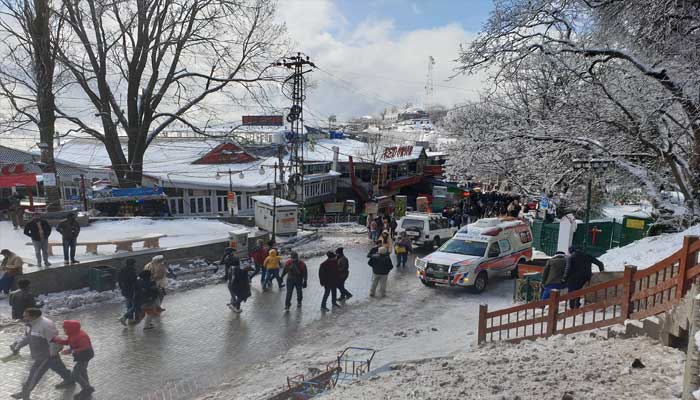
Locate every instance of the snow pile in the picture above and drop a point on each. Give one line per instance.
(618, 212)
(647, 251)
(344, 228)
(546, 368)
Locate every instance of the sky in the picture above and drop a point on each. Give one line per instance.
(373, 54)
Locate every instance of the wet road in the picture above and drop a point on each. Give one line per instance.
(198, 342)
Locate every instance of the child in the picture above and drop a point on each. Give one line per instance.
(81, 348)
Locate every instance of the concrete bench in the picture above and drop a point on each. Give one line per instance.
(150, 241)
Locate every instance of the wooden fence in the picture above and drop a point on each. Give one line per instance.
(636, 295)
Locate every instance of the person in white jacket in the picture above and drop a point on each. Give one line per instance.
(39, 336)
(159, 274)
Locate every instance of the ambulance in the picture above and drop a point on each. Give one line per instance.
(477, 252)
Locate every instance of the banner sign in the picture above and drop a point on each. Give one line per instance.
(135, 192)
(396, 151)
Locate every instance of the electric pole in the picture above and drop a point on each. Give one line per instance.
(295, 117)
(429, 87)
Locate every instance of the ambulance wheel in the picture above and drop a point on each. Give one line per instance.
(480, 282)
(426, 283)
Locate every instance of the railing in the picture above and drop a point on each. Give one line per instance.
(637, 294)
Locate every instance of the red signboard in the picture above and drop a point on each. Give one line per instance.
(12, 169)
(263, 120)
(433, 169)
(399, 183)
(392, 152)
(26, 179)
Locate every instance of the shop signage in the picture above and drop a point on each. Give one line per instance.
(398, 151)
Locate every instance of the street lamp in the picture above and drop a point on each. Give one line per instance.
(591, 165)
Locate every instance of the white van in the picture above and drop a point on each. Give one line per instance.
(488, 247)
(426, 229)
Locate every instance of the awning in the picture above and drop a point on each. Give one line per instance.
(28, 179)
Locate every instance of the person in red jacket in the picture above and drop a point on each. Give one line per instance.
(258, 256)
(81, 348)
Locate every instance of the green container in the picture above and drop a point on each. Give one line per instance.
(102, 278)
(545, 237)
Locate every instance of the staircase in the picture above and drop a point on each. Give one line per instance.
(656, 292)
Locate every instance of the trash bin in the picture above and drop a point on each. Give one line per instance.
(102, 278)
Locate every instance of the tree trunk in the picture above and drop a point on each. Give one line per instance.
(44, 65)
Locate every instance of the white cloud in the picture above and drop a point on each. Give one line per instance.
(372, 65)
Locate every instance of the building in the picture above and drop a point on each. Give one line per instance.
(196, 174)
(21, 171)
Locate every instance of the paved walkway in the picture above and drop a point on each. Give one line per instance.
(199, 342)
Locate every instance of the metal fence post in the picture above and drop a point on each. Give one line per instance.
(691, 376)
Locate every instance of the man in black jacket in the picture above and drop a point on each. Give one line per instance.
(578, 272)
(381, 265)
(39, 230)
(69, 229)
(127, 285)
(297, 275)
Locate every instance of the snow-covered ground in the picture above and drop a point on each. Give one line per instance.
(179, 232)
(583, 366)
(647, 251)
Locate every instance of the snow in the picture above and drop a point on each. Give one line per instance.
(179, 232)
(545, 368)
(279, 202)
(619, 211)
(647, 251)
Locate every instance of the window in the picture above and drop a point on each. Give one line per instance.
(504, 245)
(465, 247)
(434, 225)
(494, 250)
(525, 237)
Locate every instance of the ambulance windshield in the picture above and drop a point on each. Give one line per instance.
(465, 247)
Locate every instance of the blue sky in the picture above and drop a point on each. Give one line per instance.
(421, 14)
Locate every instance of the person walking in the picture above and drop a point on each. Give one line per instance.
(381, 265)
(150, 298)
(328, 276)
(21, 299)
(258, 256)
(39, 231)
(69, 229)
(578, 272)
(10, 267)
(373, 233)
(38, 335)
(159, 275)
(238, 283)
(553, 274)
(297, 275)
(344, 273)
(272, 270)
(228, 260)
(127, 285)
(387, 242)
(81, 349)
(402, 248)
(14, 210)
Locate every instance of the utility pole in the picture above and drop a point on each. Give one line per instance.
(429, 86)
(295, 117)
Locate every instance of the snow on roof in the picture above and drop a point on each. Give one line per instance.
(279, 202)
(171, 162)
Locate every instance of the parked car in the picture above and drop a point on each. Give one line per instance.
(488, 247)
(426, 229)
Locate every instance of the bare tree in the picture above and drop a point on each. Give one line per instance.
(145, 65)
(30, 39)
(633, 88)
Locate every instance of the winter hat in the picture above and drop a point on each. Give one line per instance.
(330, 254)
(159, 258)
(339, 251)
(294, 255)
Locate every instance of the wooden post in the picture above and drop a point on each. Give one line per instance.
(627, 290)
(552, 312)
(481, 330)
(684, 265)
